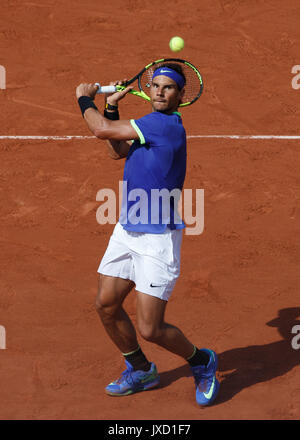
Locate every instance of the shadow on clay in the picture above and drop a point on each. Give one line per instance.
(243, 367)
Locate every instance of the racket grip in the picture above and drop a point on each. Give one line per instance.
(106, 89)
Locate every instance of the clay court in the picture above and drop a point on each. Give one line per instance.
(238, 292)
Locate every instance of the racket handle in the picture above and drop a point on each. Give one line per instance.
(106, 89)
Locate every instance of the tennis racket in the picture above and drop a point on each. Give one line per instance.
(193, 86)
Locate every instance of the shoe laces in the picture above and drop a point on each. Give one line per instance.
(127, 376)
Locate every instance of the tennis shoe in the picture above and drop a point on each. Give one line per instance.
(207, 385)
(132, 381)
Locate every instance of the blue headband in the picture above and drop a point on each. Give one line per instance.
(175, 76)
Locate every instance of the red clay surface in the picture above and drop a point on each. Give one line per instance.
(239, 287)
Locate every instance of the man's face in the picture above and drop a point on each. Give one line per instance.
(164, 94)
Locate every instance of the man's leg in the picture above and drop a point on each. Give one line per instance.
(140, 374)
(153, 328)
(111, 295)
(204, 363)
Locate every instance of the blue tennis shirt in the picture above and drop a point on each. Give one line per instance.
(154, 174)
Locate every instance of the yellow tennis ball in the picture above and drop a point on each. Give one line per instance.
(176, 44)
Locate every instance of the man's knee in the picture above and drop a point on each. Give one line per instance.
(105, 305)
(111, 294)
(100, 306)
(149, 332)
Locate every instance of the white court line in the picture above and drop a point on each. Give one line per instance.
(203, 136)
(244, 136)
(55, 138)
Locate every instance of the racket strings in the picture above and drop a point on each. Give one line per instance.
(192, 86)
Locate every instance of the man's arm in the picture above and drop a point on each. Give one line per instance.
(118, 149)
(117, 133)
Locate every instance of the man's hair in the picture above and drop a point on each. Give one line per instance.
(173, 66)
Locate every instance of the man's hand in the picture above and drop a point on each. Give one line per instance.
(114, 98)
(86, 90)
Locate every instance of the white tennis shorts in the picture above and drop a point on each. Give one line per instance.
(151, 261)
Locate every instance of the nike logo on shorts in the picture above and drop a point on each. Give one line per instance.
(155, 285)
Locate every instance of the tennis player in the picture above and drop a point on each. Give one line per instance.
(144, 250)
